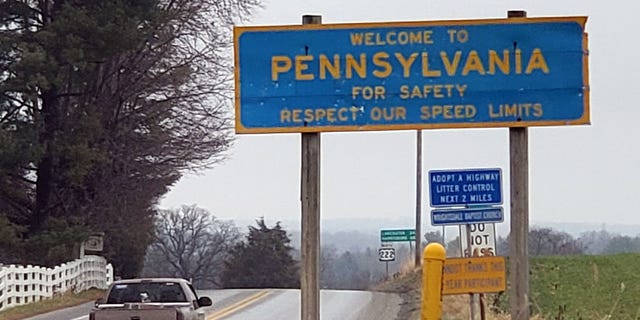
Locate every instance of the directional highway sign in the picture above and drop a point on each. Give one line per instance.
(450, 188)
(397, 235)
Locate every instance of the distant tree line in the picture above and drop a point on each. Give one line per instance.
(544, 241)
(193, 244)
(359, 269)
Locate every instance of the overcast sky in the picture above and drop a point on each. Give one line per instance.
(577, 173)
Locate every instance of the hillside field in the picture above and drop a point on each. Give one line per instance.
(586, 287)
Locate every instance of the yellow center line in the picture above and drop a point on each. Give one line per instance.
(237, 306)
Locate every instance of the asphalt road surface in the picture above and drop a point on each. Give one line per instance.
(80, 312)
(275, 304)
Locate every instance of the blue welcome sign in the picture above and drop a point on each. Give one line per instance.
(412, 75)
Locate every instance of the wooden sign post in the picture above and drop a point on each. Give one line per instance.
(519, 249)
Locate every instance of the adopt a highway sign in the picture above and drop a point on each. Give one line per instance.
(451, 188)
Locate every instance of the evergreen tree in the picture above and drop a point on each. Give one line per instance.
(103, 106)
(263, 260)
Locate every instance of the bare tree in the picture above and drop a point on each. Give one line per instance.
(192, 244)
(546, 241)
(433, 236)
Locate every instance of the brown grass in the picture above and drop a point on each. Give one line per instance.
(458, 307)
(454, 307)
(60, 302)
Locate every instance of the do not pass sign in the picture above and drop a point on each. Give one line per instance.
(478, 239)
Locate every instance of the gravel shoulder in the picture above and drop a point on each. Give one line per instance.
(383, 306)
(408, 288)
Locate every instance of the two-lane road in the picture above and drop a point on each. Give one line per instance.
(275, 304)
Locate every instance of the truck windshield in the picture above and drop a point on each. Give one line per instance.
(146, 292)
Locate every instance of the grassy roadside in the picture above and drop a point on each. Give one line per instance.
(60, 302)
(454, 307)
(561, 287)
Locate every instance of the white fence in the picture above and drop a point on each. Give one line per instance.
(21, 285)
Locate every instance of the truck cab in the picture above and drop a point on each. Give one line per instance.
(150, 298)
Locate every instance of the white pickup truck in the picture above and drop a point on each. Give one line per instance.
(150, 299)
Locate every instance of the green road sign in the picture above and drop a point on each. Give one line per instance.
(397, 235)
